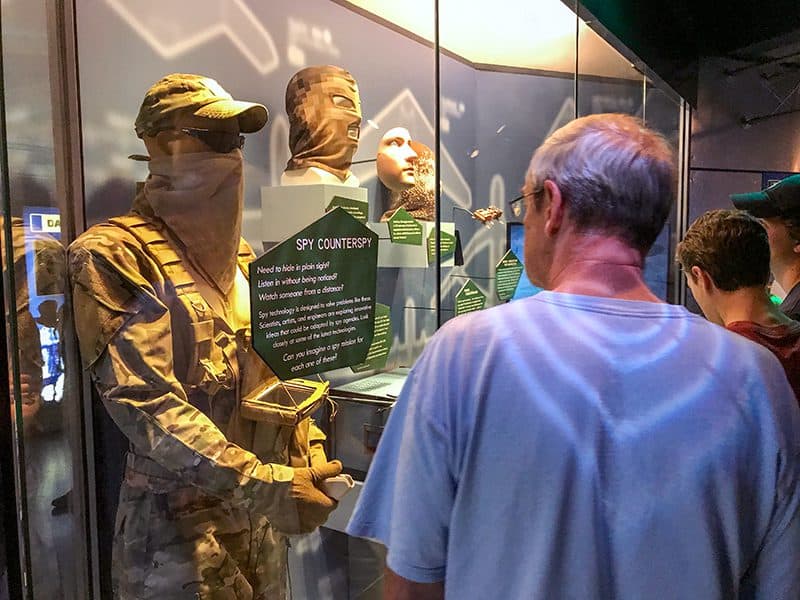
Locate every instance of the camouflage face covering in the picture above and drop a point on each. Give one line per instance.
(324, 119)
(200, 198)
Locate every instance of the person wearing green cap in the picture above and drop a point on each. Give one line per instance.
(725, 257)
(778, 207)
(161, 303)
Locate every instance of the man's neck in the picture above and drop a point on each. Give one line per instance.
(787, 275)
(750, 304)
(598, 265)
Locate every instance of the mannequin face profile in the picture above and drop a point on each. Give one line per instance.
(396, 159)
(419, 199)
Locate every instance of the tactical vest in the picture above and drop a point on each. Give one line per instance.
(211, 363)
(279, 425)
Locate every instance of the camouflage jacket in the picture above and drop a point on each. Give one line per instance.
(135, 345)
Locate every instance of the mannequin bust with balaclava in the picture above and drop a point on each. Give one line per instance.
(324, 111)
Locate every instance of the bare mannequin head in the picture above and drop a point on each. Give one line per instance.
(396, 160)
(420, 199)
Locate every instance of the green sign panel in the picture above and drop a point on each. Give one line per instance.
(312, 297)
(469, 298)
(447, 245)
(381, 342)
(507, 274)
(355, 208)
(405, 229)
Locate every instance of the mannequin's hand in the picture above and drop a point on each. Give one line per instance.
(305, 507)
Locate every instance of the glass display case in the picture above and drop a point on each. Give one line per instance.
(398, 136)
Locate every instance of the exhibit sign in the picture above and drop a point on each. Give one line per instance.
(506, 276)
(405, 229)
(447, 246)
(312, 297)
(355, 208)
(378, 352)
(469, 298)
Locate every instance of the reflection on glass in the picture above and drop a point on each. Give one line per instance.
(49, 440)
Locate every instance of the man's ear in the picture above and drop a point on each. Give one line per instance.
(702, 278)
(554, 208)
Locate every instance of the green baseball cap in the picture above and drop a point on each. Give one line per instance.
(201, 95)
(781, 199)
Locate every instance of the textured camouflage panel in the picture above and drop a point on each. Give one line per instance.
(129, 327)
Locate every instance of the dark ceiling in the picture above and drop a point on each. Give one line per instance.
(671, 37)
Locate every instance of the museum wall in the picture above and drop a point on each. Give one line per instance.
(727, 156)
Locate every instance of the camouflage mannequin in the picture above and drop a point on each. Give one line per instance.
(162, 316)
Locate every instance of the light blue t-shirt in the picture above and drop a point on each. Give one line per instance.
(578, 447)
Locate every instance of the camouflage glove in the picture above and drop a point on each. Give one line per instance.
(316, 454)
(304, 507)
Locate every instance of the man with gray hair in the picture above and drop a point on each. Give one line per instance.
(590, 441)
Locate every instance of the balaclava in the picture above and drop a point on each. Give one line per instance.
(324, 119)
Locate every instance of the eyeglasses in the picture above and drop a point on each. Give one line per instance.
(518, 204)
(219, 141)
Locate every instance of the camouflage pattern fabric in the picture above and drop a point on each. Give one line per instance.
(201, 483)
(182, 544)
(324, 109)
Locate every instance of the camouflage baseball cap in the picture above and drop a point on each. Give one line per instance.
(201, 95)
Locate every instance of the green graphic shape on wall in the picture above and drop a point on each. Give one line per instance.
(405, 229)
(469, 298)
(378, 351)
(355, 208)
(507, 274)
(447, 246)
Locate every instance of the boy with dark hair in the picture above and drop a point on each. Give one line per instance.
(726, 256)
